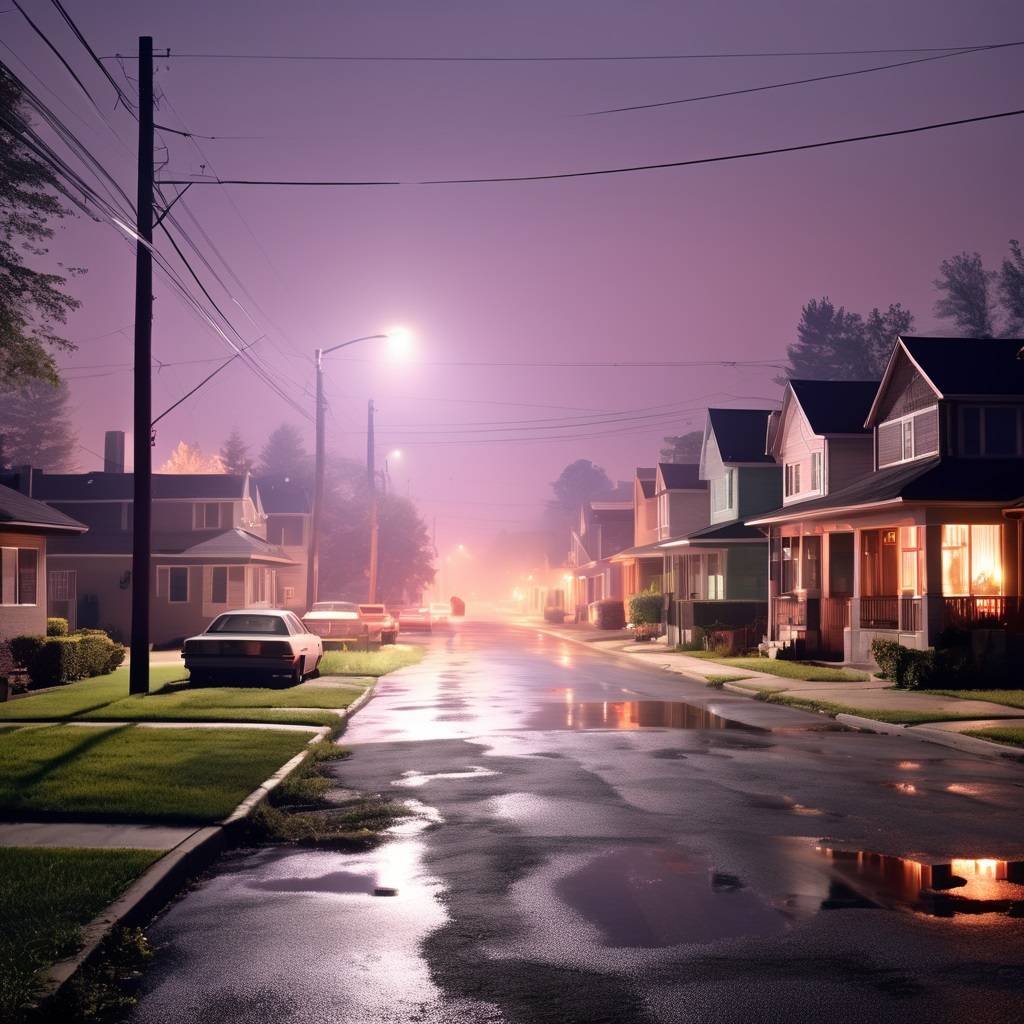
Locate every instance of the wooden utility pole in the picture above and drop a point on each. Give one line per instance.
(371, 480)
(138, 677)
(313, 557)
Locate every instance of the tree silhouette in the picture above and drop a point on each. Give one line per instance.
(1011, 290)
(682, 447)
(35, 425)
(235, 455)
(285, 454)
(965, 295)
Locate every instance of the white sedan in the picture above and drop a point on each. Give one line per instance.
(258, 641)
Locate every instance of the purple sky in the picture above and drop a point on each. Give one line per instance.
(704, 263)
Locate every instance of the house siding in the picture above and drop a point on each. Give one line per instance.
(847, 460)
(746, 573)
(21, 619)
(907, 392)
(758, 489)
(688, 511)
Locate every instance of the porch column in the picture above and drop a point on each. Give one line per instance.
(933, 606)
(850, 637)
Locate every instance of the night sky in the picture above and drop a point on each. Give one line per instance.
(706, 263)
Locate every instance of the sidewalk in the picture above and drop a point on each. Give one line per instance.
(871, 698)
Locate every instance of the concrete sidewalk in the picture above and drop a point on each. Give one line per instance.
(94, 835)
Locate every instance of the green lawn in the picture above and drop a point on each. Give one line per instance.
(786, 669)
(79, 698)
(47, 895)
(716, 680)
(1011, 698)
(135, 773)
(370, 663)
(1012, 735)
(894, 716)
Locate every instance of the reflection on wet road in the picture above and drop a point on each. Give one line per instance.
(592, 841)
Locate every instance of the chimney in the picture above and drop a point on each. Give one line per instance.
(113, 451)
(25, 475)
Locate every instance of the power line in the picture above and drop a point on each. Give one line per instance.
(613, 170)
(553, 59)
(797, 81)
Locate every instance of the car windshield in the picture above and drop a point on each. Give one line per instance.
(261, 625)
(333, 606)
(371, 609)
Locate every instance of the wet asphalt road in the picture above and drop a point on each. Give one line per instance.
(584, 848)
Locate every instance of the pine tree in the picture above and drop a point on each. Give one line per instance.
(682, 447)
(235, 455)
(966, 299)
(285, 454)
(190, 458)
(1011, 290)
(36, 427)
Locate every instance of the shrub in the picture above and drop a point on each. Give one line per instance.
(554, 614)
(58, 660)
(53, 660)
(887, 655)
(645, 609)
(25, 648)
(56, 627)
(608, 614)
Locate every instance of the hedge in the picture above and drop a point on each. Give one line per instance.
(53, 660)
(645, 609)
(607, 614)
(56, 627)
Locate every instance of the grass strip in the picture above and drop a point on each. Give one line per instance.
(785, 669)
(137, 774)
(1010, 735)
(77, 699)
(717, 682)
(1011, 698)
(371, 663)
(895, 716)
(47, 896)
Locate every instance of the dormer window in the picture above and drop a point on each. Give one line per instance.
(990, 430)
(723, 492)
(792, 478)
(207, 515)
(815, 471)
(908, 437)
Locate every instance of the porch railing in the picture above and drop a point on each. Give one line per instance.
(880, 612)
(975, 612)
(911, 614)
(790, 610)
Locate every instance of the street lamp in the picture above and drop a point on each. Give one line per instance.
(399, 341)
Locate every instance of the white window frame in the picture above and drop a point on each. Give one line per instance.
(982, 440)
(16, 590)
(724, 494)
(199, 515)
(163, 583)
(817, 464)
(792, 478)
(915, 454)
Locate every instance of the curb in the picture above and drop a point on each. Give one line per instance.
(162, 880)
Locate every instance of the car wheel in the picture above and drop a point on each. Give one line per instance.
(297, 676)
(199, 679)
(388, 638)
(315, 674)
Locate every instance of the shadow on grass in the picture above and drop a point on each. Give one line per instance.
(93, 737)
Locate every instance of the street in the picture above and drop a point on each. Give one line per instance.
(594, 841)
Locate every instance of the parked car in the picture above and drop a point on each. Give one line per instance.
(440, 613)
(339, 622)
(376, 616)
(258, 641)
(415, 619)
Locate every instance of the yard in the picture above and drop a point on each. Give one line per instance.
(371, 663)
(47, 895)
(804, 670)
(1011, 698)
(137, 773)
(1012, 735)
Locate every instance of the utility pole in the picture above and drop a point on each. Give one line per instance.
(138, 675)
(371, 479)
(313, 558)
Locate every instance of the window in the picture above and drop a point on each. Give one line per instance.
(971, 560)
(790, 564)
(207, 515)
(810, 572)
(177, 584)
(219, 585)
(992, 430)
(716, 581)
(911, 561)
(908, 439)
(815, 471)
(723, 492)
(792, 478)
(285, 531)
(256, 625)
(18, 575)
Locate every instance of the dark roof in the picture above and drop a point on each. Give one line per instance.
(741, 434)
(281, 495)
(647, 488)
(937, 479)
(622, 512)
(734, 530)
(970, 366)
(645, 475)
(118, 486)
(836, 406)
(682, 476)
(237, 544)
(230, 545)
(18, 510)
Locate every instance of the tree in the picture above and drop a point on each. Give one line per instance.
(880, 333)
(235, 455)
(965, 289)
(32, 303)
(405, 555)
(683, 447)
(285, 454)
(581, 481)
(1011, 291)
(36, 429)
(189, 458)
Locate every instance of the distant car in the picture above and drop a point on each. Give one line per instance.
(415, 619)
(257, 641)
(339, 622)
(377, 617)
(458, 607)
(440, 613)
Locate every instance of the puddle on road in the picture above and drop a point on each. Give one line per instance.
(651, 898)
(963, 886)
(629, 714)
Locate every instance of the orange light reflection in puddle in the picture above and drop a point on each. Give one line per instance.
(626, 715)
(908, 766)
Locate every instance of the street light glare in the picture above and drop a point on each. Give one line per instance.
(396, 454)
(399, 343)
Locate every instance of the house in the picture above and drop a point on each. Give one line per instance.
(605, 528)
(210, 550)
(288, 509)
(717, 575)
(669, 501)
(26, 526)
(928, 539)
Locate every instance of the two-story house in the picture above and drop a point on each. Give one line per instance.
(925, 540)
(288, 509)
(718, 575)
(669, 501)
(605, 528)
(209, 550)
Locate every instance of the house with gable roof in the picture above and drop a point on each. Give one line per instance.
(928, 537)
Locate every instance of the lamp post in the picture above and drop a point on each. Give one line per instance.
(398, 339)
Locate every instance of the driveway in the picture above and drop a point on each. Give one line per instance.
(593, 840)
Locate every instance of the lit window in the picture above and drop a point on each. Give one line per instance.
(911, 556)
(971, 560)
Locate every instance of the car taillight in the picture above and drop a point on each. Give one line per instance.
(320, 628)
(274, 649)
(201, 647)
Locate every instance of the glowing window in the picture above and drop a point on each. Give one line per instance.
(972, 560)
